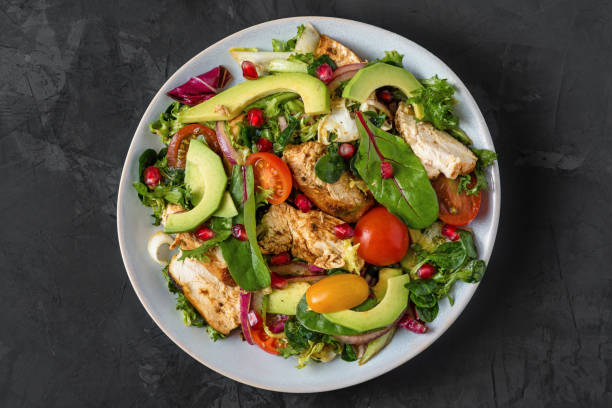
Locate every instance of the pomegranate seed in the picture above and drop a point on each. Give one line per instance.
(343, 231)
(450, 232)
(264, 145)
(303, 203)
(325, 73)
(412, 324)
(255, 117)
(386, 169)
(280, 259)
(385, 95)
(248, 70)
(204, 233)
(346, 150)
(253, 318)
(427, 271)
(152, 176)
(239, 232)
(278, 282)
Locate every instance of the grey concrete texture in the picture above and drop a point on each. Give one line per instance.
(76, 76)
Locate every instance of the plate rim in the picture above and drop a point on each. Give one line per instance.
(495, 201)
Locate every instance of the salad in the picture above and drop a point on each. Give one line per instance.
(318, 206)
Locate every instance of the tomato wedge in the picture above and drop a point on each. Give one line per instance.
(179, 144)
(271, 173)
(456, 208)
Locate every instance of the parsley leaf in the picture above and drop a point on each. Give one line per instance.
(392, 58)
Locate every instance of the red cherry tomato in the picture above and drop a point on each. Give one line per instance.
(179, 144)
(271, 173)
(456, 208)
(265, 342)
(382, 237)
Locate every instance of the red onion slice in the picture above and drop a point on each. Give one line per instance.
(293, 268)
(344, 77)
(368, 337)
(245, 305)
(312, 278)
(226, 144)
(282, 123)
(346, 68)
(315, 268)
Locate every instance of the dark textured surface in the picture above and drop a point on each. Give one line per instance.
(76, 76)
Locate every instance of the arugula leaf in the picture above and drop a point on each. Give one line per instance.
(284, 138)
(392, 58)
(168, 123)
(436, 96)
(289, 45)
(323, 59)
(408, 193)
(348, 353)
(222, 228)
(331, 166)
(376, 119)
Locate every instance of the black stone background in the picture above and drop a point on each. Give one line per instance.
(75, 78)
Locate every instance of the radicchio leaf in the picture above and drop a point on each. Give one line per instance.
(202, 87)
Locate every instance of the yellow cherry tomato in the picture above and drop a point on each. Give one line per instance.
(337, 292)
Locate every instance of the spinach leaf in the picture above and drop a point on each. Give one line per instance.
(367, 304)
(244, 259)
(285, 136)
(222, 228)
(146, 159)
(323, 59)
(427, 314)
(331, 166)
(436, 96)
(317, 322)
(289, 45)
(408, 193)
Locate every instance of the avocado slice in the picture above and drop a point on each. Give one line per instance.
(285, 301)
(205, 176)
(370, 78)
(382, 315)
(376, 345)
(383, 276)
(227, 208)
(313, 92)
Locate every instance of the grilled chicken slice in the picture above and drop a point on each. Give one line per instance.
(186, 240)
(217, 302)
(438, 151)
(338, 52)
(348, 198)
(309, 236)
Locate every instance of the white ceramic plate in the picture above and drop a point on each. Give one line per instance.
(232, 357)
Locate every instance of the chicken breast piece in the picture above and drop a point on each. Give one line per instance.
(187, 241)
(438, 151)
(348, 198)
(218, 303)
(309, 236)
(338, 52)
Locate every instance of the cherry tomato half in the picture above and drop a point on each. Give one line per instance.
(265, 342)
(179, 144)
(456, 208)
(271, 173)
(382, 237)
(337, 292)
